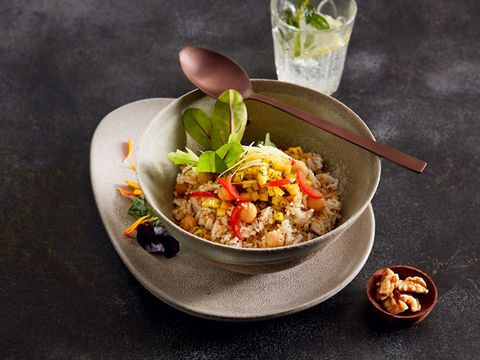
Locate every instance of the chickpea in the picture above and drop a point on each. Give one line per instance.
(315, 204)
(181, 188)
(248, 212)
(274, 238)
(224, 195)
(188, 223)
(204, 177)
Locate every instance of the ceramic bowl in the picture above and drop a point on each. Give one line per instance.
(358, 170)
(427, 301)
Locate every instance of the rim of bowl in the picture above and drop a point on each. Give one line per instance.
(336, 231)
(422, 311)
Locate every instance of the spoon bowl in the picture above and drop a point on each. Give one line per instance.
(213, 73)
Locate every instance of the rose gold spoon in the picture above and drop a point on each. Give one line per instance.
(213, 73)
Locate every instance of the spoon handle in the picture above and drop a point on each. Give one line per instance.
(393, 155)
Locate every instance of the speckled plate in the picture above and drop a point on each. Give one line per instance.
(191, 284)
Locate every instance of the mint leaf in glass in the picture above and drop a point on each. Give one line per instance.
(318, 22)
(289, 18)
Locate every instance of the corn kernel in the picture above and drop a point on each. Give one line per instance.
(221, 212)
(263, 196)
(254, 195)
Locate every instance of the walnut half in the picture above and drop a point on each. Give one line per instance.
(412, 302)
(394, 305)
(413, 284)
(387, 284)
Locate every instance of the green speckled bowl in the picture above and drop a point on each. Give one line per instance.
(358, 170)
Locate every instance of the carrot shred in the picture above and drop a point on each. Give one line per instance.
(132, 184)
(124, 192)
(134, 226)
(132, 166)
(129, 150)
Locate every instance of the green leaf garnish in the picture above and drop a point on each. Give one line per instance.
(268, 142)
(198, 125)
(140, 208)
(180, 157)
(210, 162)
(229, 119)
(221, 134)
(229, 153)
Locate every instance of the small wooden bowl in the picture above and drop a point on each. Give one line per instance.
(428, 301)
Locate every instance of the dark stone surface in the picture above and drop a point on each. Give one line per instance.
(412, 73)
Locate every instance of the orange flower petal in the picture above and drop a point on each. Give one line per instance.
(132, 184)
(129, 150)
(134, 226)
(127, 193)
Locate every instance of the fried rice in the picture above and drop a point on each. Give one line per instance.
(283, 213)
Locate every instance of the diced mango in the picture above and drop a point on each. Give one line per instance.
(245, 196)
(213, 203)
(224, 205)
(277, 191)
(276, 200)
(262, 170)
(248, 183)
(278, 216)
(270, 191)
(274, 174)
(263, 196)
(292, 189)
(199, 231)
(262, 179)
(295, 150)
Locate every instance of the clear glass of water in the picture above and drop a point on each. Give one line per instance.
(308, 56)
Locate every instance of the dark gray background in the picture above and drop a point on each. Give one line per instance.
(412, 74)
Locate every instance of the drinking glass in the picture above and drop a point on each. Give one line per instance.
(308, 56)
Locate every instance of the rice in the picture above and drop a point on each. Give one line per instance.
(297, 223)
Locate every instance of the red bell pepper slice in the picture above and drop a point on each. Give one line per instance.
(235, 220)
(306, 188)
(202, 194)
(279, 182)
(229, 187)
